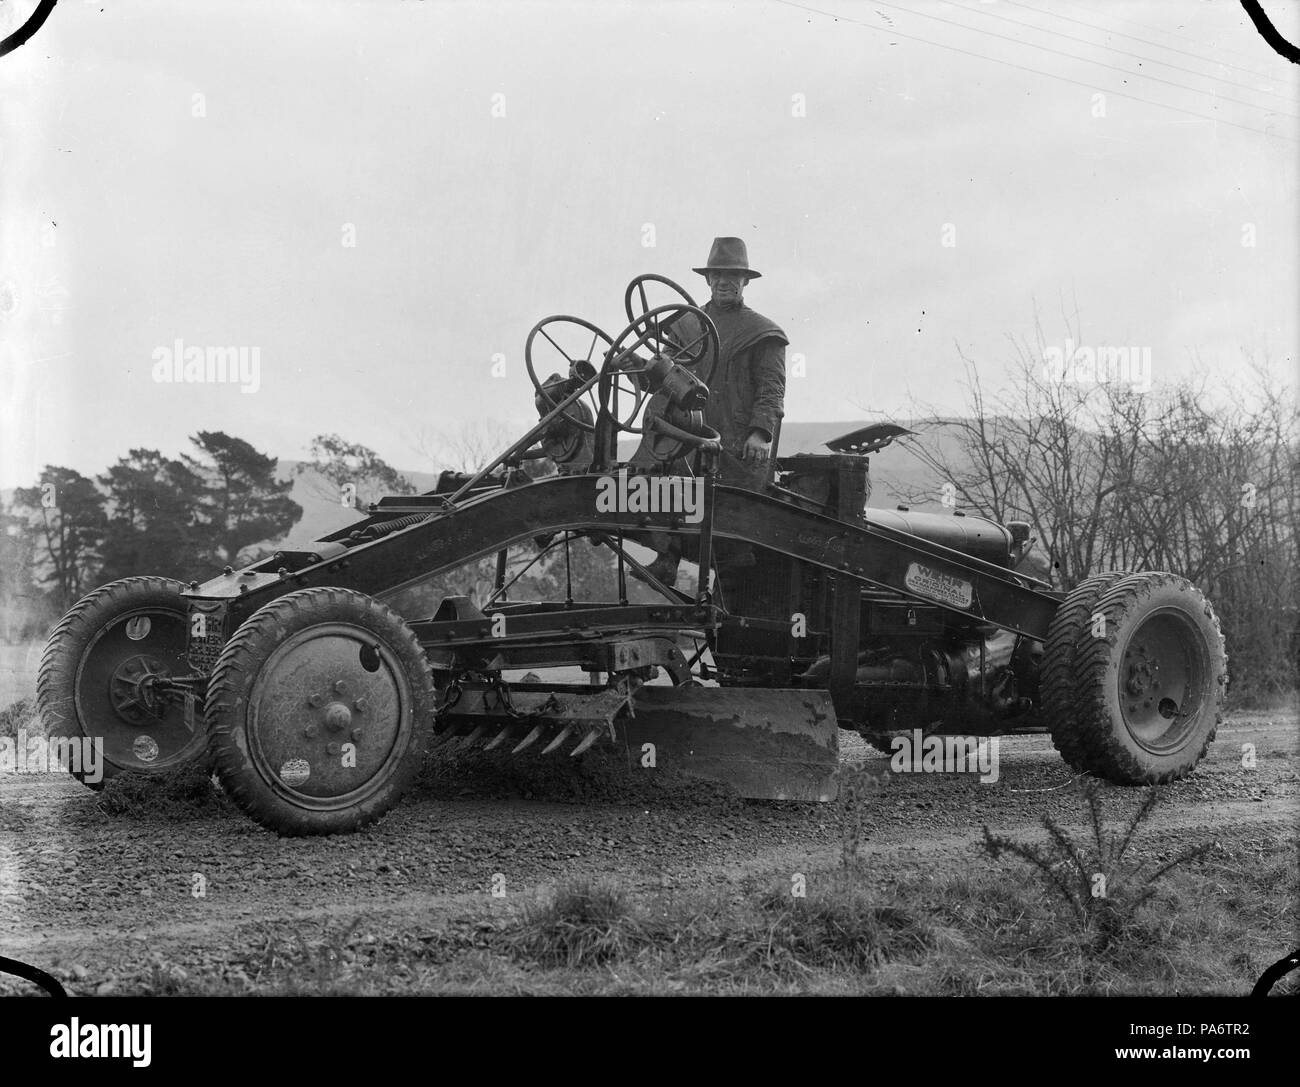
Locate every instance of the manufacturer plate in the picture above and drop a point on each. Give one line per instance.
(206, 636)
(938, 586)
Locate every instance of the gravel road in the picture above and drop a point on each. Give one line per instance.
(93, 896)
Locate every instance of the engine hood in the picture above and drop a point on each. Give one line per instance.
(974, 536)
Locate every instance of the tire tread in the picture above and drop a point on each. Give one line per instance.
(233, 676)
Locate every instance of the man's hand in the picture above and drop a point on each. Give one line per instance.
(757, 448)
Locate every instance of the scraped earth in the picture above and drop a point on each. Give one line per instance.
(96, 898)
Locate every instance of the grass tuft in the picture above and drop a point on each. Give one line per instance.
(836, 927)
(774, 935)
(584, 924)
(16, 715)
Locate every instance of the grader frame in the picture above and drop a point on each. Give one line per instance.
(317, 702)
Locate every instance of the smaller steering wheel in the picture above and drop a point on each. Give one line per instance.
(626, 370)
(670, 432)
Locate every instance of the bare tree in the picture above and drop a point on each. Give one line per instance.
(468, 448)
(1116, 476)
(1039, 451)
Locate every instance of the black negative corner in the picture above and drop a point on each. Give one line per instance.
(1269, 32)
(30, 973)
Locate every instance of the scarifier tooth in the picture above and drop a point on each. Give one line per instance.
(469, 740)
(559, 739)
(528, 740)
(498, 738)
(587, 741)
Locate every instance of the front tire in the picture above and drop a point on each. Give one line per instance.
(319, 710)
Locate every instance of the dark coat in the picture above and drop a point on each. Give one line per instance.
(746, 391)
(747, 387)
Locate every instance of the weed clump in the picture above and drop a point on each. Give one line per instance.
(1093, 881)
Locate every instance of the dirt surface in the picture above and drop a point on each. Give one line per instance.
(97, 898)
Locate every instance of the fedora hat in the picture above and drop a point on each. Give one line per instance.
(728, 255)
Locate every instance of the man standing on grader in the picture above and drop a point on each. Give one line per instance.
(746, 390)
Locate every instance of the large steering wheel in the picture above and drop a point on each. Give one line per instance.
(681, 330)
(564, 337)
(636, 299)
(627, 371)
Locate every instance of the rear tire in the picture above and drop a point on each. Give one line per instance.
(319, 710)
(1069, 629)
(1149, 679)
(90, 679)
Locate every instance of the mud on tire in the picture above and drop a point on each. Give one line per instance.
(319, 710)
(1150, 674)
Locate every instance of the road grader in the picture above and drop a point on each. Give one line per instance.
(317, 703)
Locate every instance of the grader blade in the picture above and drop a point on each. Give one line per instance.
(766, 744)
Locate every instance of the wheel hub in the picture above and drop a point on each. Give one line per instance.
(1142, 670)
(337, 716)
(329, 707)
(1160, 681)
(133, 689)
(121, 691)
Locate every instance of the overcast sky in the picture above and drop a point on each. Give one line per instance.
(206, 162)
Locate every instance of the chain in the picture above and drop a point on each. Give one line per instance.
(502, 691)
(451, 697)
